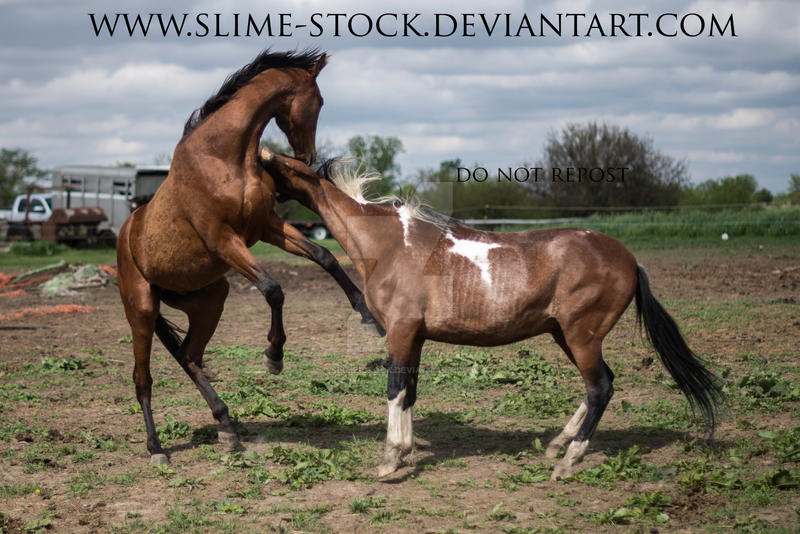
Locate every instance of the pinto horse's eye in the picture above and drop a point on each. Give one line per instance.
(397, 204)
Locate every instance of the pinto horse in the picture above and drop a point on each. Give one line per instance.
(428, 277)
(216, 202)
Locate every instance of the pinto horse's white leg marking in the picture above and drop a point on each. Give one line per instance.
(476, 252)
(399, 435)
(405, 220)
(569, 432)
(566, 467)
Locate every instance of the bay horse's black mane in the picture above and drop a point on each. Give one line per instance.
(265, 60)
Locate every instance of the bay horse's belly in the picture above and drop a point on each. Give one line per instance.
(170, 254)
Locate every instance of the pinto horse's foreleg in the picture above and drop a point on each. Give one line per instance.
(285, 236)
(404, 353)
(203, 308)
(230, 247)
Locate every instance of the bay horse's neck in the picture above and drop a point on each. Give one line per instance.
(234, 131)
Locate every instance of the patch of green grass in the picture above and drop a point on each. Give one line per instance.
(52, 365)
(305, 467)
(308, 520)
(16, 491)
(354, 383)
(530, 474)
(233, 352)
(172, 429)
(332, 414)
(626, 465)
(642, 507)
(85, 482)
(362, 506)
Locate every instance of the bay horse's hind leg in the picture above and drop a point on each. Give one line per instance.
(203, 308)
(598, 379)
(141, 310)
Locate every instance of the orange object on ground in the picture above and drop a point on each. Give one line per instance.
(45, 310)
(109, 269)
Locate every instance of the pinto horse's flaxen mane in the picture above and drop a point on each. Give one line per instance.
(351, 181)
(265, 60)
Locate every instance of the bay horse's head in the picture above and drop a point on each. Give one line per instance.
(297, 117)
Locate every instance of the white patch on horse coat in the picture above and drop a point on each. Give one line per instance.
(399, 433)
(475, 251)
(405, 220)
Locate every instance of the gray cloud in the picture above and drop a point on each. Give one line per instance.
(726, 105)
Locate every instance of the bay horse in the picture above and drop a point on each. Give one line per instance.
(428, 277)
(216, 202)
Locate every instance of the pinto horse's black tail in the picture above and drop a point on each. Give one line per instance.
(169, 334)
(701, 387)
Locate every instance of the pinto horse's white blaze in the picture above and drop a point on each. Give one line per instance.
(475, 251)
(405, 220)
(399, 435)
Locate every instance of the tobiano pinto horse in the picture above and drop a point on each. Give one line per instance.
(216, 202)
(429, 277)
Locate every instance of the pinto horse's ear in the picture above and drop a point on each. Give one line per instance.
(319, 65)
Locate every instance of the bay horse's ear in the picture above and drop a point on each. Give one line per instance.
(266, 154)
(319, 65)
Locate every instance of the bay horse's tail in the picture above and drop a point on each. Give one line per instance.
(169, 334)
(701, 387)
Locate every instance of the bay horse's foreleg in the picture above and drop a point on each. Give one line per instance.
(203, 308)
(404, 353)
(230, 247)
(598, 379)
(285, 236)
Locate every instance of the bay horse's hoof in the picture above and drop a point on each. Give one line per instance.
(273, 366)
(158, 459)
(273, 361)
(230, 439)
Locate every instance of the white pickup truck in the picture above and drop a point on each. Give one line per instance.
(41, 208)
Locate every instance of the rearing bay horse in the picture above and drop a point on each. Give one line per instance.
(427, 277)
(215, 203)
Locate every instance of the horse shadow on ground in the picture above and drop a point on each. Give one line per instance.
(441, 436)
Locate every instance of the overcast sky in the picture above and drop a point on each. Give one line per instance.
(728, 105)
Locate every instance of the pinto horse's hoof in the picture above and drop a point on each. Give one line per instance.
(229, 439)
(384, 470)
(158, 459)
(274, 365)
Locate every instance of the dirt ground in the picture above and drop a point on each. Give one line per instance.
(73, 457)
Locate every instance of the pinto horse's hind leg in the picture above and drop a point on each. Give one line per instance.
(233, 251)
(284, 235)
(203, 308)
(598, 379)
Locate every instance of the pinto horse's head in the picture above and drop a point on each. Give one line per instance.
(297, 117)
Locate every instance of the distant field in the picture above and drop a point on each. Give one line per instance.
(640, 231)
